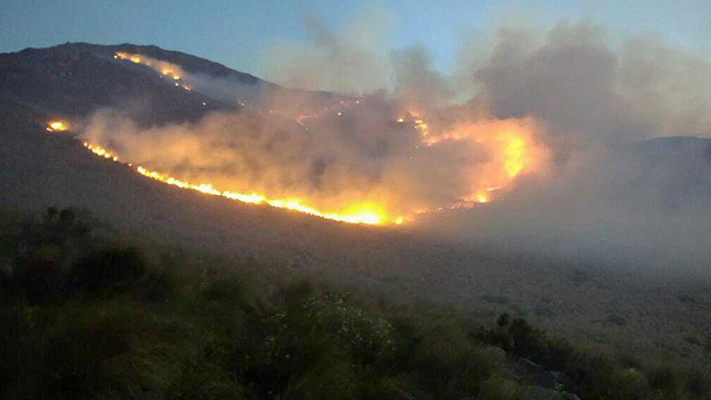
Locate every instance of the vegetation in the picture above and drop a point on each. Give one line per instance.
(84, 315)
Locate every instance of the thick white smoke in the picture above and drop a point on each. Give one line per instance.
(580, 100)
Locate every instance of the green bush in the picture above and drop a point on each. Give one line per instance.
(699, 383)
(42, 252)
(108, 269)
(440, 358)
(83, 320)
(497, 388)
(287, 353)
(527, 340)
(663, 379)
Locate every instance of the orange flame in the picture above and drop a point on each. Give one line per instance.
(510, 145)
(163, 68)
(364, 213)
(57, 126)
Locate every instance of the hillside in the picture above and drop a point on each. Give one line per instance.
(73, 80)
(38, 170)
(89, 314)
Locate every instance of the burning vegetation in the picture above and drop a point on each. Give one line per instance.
(357, 214)
(165, 69)
(56, 126)
(489, 155)
(374, 159)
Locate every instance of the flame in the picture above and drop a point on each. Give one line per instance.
(166, 69)
(57, 126)
(512, 148)
(509, 144)
(418, 122)
(421, 126)
(101, 152)
(367, 213)
(508, 148)
(515, 153)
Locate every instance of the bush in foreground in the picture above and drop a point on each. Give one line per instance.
(99, 319)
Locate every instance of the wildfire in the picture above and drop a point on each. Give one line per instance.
(364, 213)
(509, 144)
(418, 122)
(502, 150)
(101, 152)
(165, 69)
(57, 126)
(490, 155)
(421, 126)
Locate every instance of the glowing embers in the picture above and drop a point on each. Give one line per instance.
(101, 152)
(169, 72)
(421, 126)
(362, 213)
(57, 126)
(124, 56)
(418, 122)
(165, 69)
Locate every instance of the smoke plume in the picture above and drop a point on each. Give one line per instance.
(539, 142)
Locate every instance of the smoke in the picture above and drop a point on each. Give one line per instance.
(337, 161)
(645, 206)
(225, 89)
(590, 91)
(548, 127)
(353, 60)
(613, 197)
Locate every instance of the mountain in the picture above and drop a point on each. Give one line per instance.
(73, 80)
(38, 170)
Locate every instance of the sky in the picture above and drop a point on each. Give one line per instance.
(236, 32)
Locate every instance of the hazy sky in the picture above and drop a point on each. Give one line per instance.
(236, 32)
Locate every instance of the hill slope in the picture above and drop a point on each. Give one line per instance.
(39, 170)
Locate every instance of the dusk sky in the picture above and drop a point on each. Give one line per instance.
(236, 33)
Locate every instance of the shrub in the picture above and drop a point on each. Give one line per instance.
(498, 336)
(378, 387)
(40, 274)
(225, 334)
(42, 252)
(289, 355)
(108, 269)
(503, 321)
(663, 378)
(11, 345)
(557, 355)
(5, 284)
(527, 340)
(497, 388)
(699, 383)
(434, 349)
